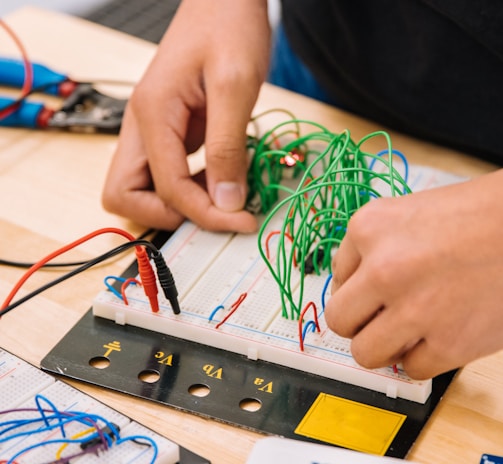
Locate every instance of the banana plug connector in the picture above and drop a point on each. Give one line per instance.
(166, 281)
(147, 277)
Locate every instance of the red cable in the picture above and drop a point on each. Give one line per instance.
(139, 251)
(28, 72)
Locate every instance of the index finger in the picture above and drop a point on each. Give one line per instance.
(344, 263)
(127, 190)
(355, 299)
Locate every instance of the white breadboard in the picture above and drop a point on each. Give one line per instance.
(212, 270)
(20, 382)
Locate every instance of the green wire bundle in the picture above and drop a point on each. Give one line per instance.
(334, 181)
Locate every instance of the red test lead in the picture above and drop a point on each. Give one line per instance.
(147, 277)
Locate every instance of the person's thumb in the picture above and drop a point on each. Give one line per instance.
(226, 174)
(226, 157)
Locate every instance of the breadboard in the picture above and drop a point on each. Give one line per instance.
(20, 382)
(214, 270)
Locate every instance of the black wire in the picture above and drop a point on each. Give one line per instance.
(85, 266)
(6, 262)
(142, 443)
(24, 265)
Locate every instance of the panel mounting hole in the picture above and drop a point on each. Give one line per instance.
(250, 404)
(149, 376)
(99, 362)
(199, 389)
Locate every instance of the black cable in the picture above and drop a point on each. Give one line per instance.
(85, 266)
(25, 265)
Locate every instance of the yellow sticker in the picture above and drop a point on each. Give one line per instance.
(350, 424)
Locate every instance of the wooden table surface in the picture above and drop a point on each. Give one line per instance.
(50, 187)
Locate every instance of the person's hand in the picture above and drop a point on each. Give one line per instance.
(419, 279)
(201, 86)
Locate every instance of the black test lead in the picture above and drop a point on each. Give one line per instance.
(166, 281)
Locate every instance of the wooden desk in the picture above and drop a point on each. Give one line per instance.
(50, 186)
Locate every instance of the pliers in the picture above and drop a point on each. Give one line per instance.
(84, 109)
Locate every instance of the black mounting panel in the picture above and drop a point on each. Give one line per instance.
(174, 371)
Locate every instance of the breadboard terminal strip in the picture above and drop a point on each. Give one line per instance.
(212, 271)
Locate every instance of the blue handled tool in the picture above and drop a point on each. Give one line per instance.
(84, 108)
(12, 74)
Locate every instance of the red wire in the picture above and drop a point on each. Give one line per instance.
(272, 234)
(234, 306)
(316, 323)
(28, 71)
(60, 251)
(125, 285)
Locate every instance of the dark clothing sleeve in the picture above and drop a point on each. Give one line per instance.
(430, 68)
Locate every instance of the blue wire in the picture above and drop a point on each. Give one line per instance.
(43, 443)
(370, 194)
(324, 292)
(142, 437)
(111, 287)
(83, 418)
(396, 153)
(23, 423)
(212, 315)
(14, 424)
(62, 419)
(310, 324)
(93, 421)
(38, 399)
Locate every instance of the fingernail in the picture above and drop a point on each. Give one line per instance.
(229, 196)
